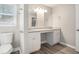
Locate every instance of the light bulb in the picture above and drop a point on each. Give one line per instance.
(36, 10)
(45, 10)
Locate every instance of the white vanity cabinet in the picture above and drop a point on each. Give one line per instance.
(34, 42)
(53, 37)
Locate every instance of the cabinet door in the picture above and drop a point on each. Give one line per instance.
(30, 44)
(34, 42)
(56, 36)
(53, 37)
(50, 38)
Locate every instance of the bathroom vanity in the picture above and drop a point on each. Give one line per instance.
(36, 28)
(40, 36)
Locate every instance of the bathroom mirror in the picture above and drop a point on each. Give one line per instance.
(40, 16)
(36, 19)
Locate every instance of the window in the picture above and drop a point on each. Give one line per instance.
(8, 15)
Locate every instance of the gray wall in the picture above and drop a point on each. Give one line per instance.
(64, 17)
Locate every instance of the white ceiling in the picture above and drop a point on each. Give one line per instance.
(50, 5)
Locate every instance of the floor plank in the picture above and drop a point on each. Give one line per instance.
(56, 49)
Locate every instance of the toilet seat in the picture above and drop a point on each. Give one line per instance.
(4, 49)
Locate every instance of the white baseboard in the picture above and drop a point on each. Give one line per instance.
(67, 45)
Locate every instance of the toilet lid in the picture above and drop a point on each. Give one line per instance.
(5, 48)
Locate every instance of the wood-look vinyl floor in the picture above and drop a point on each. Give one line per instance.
(56, 49)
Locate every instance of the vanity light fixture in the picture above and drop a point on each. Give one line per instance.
(40, 10)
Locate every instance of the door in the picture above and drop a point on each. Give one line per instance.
(77, 40)
(56, 36)
(77, 27)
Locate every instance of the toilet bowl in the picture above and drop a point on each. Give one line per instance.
(6, 49)
(5, 43)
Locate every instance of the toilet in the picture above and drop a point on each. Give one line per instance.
(5, 43)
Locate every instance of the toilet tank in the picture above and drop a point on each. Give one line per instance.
(6, 38)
